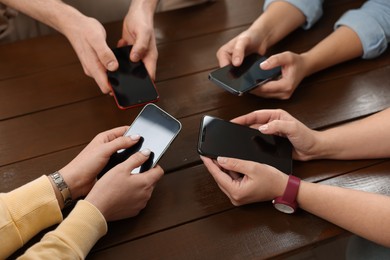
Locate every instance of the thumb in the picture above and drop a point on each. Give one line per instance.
(139, 48)
(278, 127)
(272, 62)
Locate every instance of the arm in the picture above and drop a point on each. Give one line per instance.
(359, 33)
(342, 45)
(26, 211)
(37, 205)
(86, 224)
(362, 213)
(341, 142)
(86, 35)
(279, 19)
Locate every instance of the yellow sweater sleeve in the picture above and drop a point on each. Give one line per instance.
(26, 211)
(74, 237)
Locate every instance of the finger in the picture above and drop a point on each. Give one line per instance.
(237, 165)
(224, 56)
(136, 160)
(140, 47)
(257, 117)
(114, 133)
(275, 61)
(279, 127)
(239, 51)
(122, 142)
(153, 175)
(150, 62)
(106, 56)
(101, 79)
(280, 89)
(223, 180)
(122, 42)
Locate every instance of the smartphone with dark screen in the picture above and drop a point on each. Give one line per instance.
(131, 83)
(218, 137)
(157, 129)
(244, 78)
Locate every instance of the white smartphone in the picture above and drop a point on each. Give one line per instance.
(157, 129)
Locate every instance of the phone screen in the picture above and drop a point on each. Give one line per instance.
(244, 78)
(157, 130)
(218, 137)
(131, 83)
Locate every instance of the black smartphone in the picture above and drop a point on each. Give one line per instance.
(131, 83)
(218, 137)
(157, 129)
(248, 76)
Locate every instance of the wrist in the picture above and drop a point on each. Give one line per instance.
(74, 182)
(61, 189)
(146, 7)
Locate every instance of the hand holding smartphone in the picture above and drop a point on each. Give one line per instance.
(242, 79)
(131, 83)
(157, 129)
(218, 137)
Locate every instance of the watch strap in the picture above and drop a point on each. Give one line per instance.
(287, 203)
(62, 187)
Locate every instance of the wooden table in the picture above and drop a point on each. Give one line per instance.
(49, 110)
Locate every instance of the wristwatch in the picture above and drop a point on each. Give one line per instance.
(63, 187)
(288, 202)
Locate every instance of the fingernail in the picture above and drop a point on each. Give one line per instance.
(135, 56)
(134, 137)
(146, 152)
(264, 64)
(263, 127)
(236, 60)
(111, 66)
(221, 160)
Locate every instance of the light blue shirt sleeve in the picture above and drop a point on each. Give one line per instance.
(372, 24)
(312, 9)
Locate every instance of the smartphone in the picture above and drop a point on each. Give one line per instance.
(157, 129)
(218, 137)
(131, 83)
(242, 79)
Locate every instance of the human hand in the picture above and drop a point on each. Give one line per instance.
(246, 182)
(80, 174)
(306, 142)
(138, 31)
(294, 69)
(235, 50)
(120, 194)
(88, 39)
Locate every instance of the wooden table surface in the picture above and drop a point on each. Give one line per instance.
(49, 110)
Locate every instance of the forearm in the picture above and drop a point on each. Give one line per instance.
(74, 237)
(342, 45)
(362, 139)
(25, 212)
(279, 19)
(148, 7)
(365, 214)
(53, 13)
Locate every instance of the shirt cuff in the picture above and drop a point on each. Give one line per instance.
(83, 227)
(311, 9)
(32, 208)
(369, 31)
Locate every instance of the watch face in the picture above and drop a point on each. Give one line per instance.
(284, 208)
